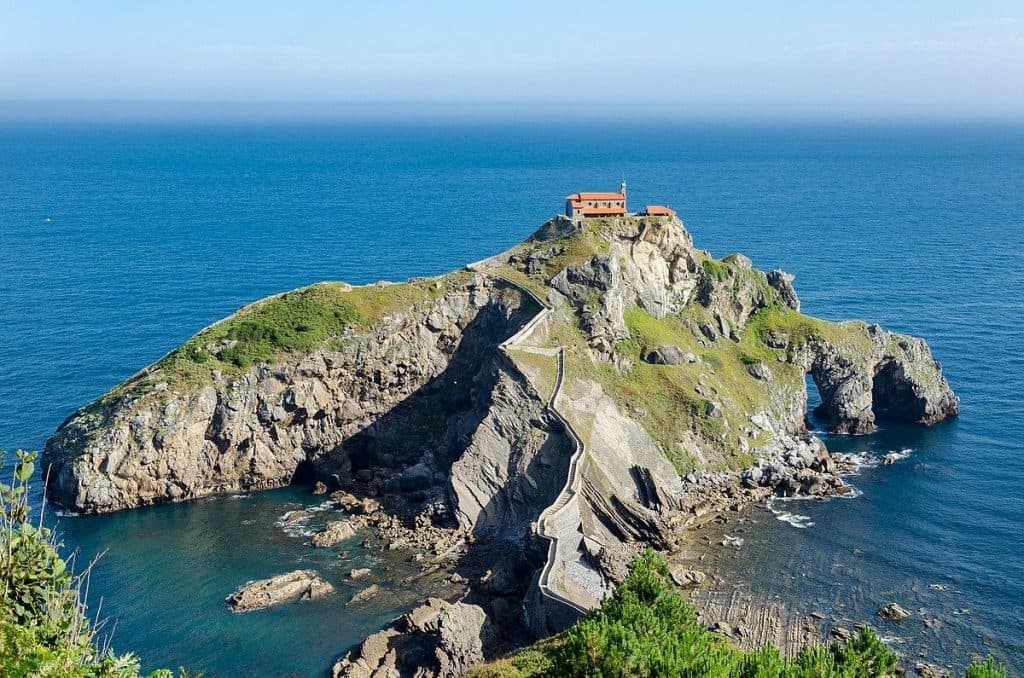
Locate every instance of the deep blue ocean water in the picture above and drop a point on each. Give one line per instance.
(118, 241)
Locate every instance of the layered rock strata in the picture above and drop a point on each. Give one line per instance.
(675, 383)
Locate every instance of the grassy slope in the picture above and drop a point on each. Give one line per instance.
(666, 395)
(296, 322)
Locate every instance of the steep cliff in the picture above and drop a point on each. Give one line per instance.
(594, 386)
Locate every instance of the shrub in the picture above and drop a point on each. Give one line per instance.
(646, 628)
(986, 669)
(44, 630)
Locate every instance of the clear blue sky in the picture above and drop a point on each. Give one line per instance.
(929, 57)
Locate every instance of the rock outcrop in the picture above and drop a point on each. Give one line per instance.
(324, 413)
(334, 532)
(436, 639)
(453, 416)
(283, 588)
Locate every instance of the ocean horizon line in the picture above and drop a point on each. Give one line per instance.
(485, 112)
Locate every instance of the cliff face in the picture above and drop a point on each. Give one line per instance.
(380, 394)
(656, 381)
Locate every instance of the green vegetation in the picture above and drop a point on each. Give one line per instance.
(44, 630)
(667, 394)
(715, 269)
(987, 668)
(540, 369)
(648, 629)
(300, 321)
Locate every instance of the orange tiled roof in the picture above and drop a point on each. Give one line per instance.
(595, 196)
(659, 211)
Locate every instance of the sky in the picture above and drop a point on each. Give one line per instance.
(929, 58)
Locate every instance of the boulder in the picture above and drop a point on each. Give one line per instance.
(683, 576)
(414, 478)
(893, 612)
(283, 588)
(436, 638)
(336, 531)
(760, 371)
(665, 355)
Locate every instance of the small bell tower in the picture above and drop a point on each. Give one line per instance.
(622, 190)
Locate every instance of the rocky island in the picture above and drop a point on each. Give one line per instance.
(529, 422)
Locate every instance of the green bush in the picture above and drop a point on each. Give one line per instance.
(647, 629)
(985, 669)
(44, 630)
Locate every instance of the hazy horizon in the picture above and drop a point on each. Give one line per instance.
(745, 61)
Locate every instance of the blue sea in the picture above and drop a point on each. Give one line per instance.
(119, 240)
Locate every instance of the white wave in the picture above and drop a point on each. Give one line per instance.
(871, 459)
(794, 519)
(860, 460)
(852, 494)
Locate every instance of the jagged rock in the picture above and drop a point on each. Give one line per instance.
(841, 633)
(418, 477)
(783, 284)
(893, 612)
(359, 572)
(434, 639)
(926, 670)
(283, 588)
(334, 532)
(667, 355)
(760, 371)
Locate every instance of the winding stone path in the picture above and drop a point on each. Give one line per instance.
(563, 513)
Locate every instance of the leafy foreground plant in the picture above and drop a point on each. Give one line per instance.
(647, 629)
(44, 630)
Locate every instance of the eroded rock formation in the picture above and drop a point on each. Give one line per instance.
(282, 588)
(675, 381)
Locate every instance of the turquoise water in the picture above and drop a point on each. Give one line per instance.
(118, 241)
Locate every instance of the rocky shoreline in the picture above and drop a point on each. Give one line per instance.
(682, 377)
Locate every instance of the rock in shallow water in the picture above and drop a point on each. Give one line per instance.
(685, 577)
(364, 595)
(893, 612)
(283, 588)
(336, 531)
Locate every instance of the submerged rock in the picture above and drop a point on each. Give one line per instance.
(364, 595)
(282, 588)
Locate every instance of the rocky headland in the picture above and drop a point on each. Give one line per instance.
(527, 423)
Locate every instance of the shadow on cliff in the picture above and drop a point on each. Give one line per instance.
(425, 431)
(404, 459)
